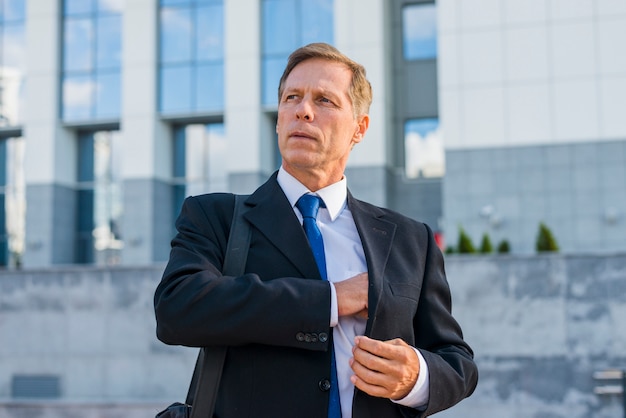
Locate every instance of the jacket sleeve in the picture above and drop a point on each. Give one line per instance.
(195, 305)
(453, 373)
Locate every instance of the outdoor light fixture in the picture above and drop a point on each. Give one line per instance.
(611, 215)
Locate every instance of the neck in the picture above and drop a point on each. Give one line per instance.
(314, 180)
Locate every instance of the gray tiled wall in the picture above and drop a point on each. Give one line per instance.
(148, 221)
(50, 225)
(574, 188)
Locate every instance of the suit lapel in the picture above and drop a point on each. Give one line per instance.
(274, 217)
(377, 237)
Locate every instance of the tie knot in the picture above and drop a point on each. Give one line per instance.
(308, 205)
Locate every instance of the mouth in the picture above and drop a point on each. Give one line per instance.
(301, 134)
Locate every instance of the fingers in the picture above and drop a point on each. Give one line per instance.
(368, 381)
(384, 368)
(352, 295)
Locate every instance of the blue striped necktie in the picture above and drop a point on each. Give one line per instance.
(308, 205)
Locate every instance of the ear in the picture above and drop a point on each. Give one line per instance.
(363, 123)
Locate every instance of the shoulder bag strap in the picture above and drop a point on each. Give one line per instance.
(208, 370)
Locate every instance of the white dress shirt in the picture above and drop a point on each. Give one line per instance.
(344, 259)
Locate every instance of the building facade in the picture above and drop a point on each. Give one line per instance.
(115, 110)
(532, 109)
(112, 111)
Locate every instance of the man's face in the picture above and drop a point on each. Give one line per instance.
(316, 125)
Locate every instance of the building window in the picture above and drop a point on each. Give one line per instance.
(287, 25)
(419, 31)
(200, 156)
(12, 201)
(12, 47)
(424, 152)
(99, 237)
(191, 56)
(92, 49)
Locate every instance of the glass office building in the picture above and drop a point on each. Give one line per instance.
(126, 118)
(112, 111)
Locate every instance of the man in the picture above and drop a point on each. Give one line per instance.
(381, 319)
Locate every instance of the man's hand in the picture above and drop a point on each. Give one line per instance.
(386, 369)
(352, 296)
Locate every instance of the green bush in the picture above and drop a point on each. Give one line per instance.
(465, 243)
(485, 244)
(545, 240)
(504, 247)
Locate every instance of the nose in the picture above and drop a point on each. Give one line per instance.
(304, 111)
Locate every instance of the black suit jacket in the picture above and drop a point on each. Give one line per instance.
(270, 370)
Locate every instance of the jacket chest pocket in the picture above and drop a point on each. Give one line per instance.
(396, 311)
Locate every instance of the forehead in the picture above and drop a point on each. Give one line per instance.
(320, 73)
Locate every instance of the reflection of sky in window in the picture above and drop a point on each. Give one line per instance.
(78, 49)
(78, 92)
(288, 24)
(108, 41)
(209, 30)
(419, 31)
(272, 69)
(424, 152)
(13, 47)
(107, 95)
(175, 89)
(188, 2)
(176, 35)
(92, 59)
(175, 2)
(12, 60)
(115, 6)
(422, 127)
(210, 82)
(75, 7)
(12, 10)
(315, 26)
(86, 7)
(279, 26)
(191, 56)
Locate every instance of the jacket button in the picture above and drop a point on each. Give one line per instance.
(314, 337)
(324, 385)
(323, 337)
(300, 336)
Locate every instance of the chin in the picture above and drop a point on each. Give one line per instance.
(299, 161)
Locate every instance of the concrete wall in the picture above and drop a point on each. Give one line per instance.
(95, 330)
(539, 325)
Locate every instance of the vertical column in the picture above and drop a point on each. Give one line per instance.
(243, 121)
(147, 166)
(50, 149)
(366, 44)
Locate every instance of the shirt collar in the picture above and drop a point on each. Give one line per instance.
(334, 196)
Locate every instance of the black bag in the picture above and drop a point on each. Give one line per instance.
(208, 370)
(175, 410)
